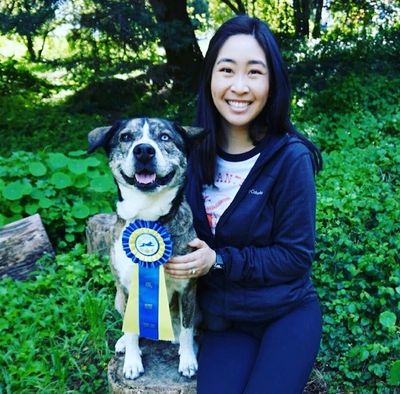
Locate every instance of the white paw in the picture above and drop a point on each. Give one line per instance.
(187, 363)
(120, 345)
(133, 366)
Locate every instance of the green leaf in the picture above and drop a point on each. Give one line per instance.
(77, 153)
(395, 373)
(45, 203)
(102, 184)
(31, 209)
(61, 180)
(80, 211)
(14, 191)
(70, 237)
(77, 167)
(387, 319)
(57, 160)
(37, 168)
(81, 181)
(92, 162)
(16, 208)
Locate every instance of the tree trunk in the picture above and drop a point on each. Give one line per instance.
(29, 46)
(99, 233)
(22, 243)
(301, 17)
(177, 36)
(317, 22)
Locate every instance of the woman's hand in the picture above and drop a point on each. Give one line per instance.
(194, 264)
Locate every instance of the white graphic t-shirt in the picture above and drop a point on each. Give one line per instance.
(229, 176)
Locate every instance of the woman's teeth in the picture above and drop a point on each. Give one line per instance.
(238, 104)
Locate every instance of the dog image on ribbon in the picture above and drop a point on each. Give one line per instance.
(148, 160)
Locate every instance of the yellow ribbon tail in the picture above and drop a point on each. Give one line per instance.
(131, 316)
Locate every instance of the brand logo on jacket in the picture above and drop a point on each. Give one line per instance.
(256, 192)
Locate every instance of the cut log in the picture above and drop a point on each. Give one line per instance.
(99, 232)
(160, 362)
(22, 243)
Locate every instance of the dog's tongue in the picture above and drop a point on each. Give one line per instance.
(145, 179)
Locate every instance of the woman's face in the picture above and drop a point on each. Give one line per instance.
(240, 81)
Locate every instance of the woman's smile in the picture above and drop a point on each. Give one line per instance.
(238, 105)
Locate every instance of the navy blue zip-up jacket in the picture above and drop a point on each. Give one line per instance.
(265, 237)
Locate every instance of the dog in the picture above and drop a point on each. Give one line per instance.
(148, 159)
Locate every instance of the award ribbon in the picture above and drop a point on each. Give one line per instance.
(148, 244)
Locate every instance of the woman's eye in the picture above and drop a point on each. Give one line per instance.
(164, 137)
(255, 72)
(125, 137)
(226, 70)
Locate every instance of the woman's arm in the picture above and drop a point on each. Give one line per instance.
(292, 248)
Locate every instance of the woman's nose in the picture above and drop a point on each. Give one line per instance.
(239, 84)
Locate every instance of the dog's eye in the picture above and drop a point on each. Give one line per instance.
(127, 137)
(164, 137)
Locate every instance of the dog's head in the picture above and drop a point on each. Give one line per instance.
(146, 153)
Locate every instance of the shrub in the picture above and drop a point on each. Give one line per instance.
(357, 270)
(347, 114)
(65, 189)
(15, 77)
(33, 125)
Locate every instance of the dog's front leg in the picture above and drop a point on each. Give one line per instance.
(187, 359)
(133, 366)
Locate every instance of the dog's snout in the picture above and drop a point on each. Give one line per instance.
(144, 152)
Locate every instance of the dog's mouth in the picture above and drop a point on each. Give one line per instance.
(146, 180)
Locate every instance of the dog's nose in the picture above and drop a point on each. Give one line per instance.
(144, 152)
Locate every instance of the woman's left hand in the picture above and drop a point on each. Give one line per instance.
(194, 264)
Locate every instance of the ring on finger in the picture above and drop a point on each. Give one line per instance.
(193, 271)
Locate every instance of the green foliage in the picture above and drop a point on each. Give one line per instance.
(146, 95)
(32, 125)
(57, 328)
(357, 266)
(15, 77)
(64, 189)
(29, 20)
(346, 96)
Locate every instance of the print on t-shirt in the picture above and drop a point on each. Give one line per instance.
(229, 176)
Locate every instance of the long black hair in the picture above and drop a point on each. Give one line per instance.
(274, 118)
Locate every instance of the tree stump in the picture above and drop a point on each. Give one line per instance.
(22, 243)
(160, 361)
(99, 232)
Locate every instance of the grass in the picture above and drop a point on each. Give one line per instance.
(57, 327)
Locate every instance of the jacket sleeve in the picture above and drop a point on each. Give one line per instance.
(290, 254)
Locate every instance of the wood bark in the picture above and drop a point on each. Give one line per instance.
(22, 243)
(318, 15)
(183, 53)
(99, 233)
(301, 17)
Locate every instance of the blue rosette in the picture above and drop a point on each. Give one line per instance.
(147, 243)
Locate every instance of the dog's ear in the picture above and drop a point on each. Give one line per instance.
(99, 137)
(193, 136)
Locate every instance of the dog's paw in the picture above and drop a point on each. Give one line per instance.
(120, 345)
(188, 364)
(133, 367)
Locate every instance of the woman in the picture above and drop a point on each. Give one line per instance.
(251, 190)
